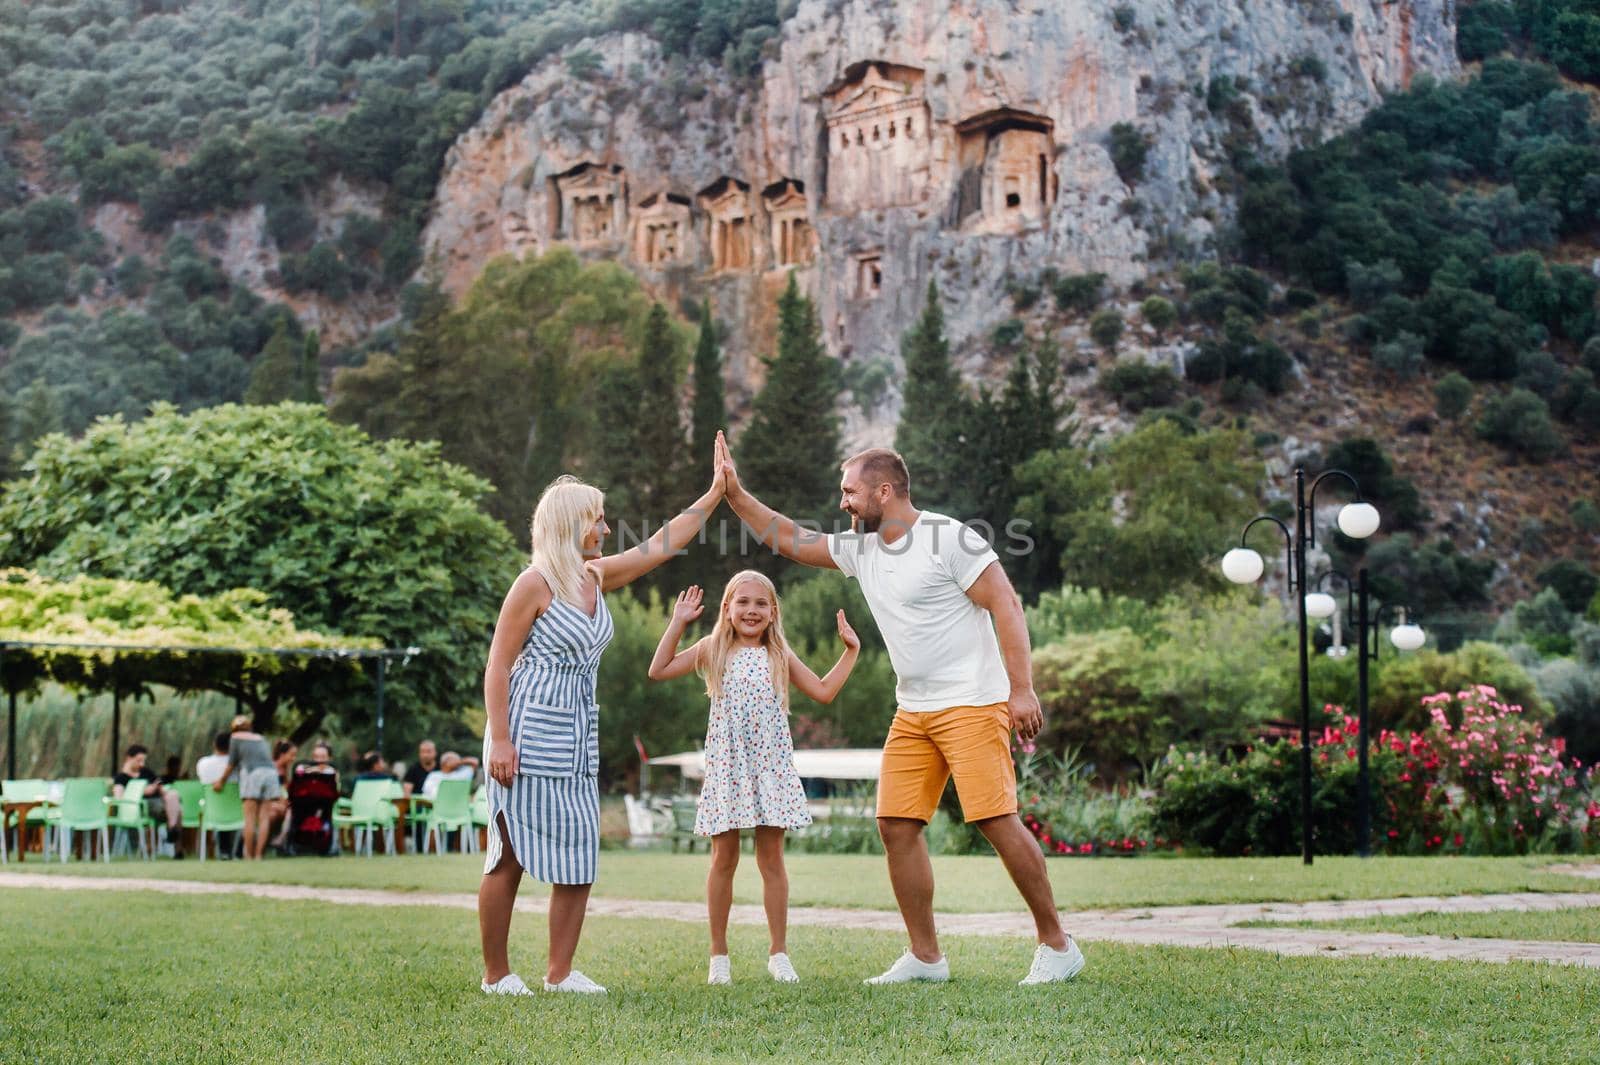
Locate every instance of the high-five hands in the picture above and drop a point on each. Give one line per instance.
(725, 467)
(689, 605)
(847, 634)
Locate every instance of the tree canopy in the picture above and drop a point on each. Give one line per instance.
(382, 540)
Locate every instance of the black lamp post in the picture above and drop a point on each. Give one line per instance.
(1241, 565)
(1405, 637)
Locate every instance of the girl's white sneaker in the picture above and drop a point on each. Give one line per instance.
(910, 967)
(576, 983)
(720, 973)
(782, 969)
(509, 984)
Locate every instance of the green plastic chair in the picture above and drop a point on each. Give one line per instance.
(83, 810)
(220, 811)
(26, 792)
(29, 790)
(451, 811)
(191, 796)
(368, 809)
(129, 812)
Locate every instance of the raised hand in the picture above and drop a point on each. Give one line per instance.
(729, 472)
(689, 605)
(847, 634)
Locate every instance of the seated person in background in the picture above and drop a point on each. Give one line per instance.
(174, 770)
(427, 761)
(161, 801)
(321, 760)
(373, 767)
(209, 768)
(451, 767)
(283, 755)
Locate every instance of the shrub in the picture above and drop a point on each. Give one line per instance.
(1520, 421)
(1078, 292)
(1400, 357)
(1574, 582)
(1139, 385)
(1129, 148)
(1452, 396)
(1159, 313)
(1106, 326)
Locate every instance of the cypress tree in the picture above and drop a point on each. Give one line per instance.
(659, 433)
(789, 455)
(934, 415)
(275, 376)
(309, 370)
(710, 411)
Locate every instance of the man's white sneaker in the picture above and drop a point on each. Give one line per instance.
(720, 972)
(782, 969)
(1051, 965)
(509, 984)
(576, 983)
(910, 967)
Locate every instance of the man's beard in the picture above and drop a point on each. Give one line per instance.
(867, 523)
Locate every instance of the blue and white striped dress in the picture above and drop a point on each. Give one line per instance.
(552, 808)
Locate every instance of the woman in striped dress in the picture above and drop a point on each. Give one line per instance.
(541, 745)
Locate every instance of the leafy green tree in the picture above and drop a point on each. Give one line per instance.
(1142, 515)
(789, 455)
(509, 381)
(706, 563)
(1106, 328)
(661, 439)
(934, 412)
(282, 372)
(1573, 581)
(369, 539)
(1159, 314)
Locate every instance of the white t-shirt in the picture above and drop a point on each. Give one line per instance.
(208, 770)
(941, 643)
(430, 783)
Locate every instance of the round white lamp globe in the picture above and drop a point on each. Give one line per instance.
(1358, 520)
(1407, 637)
(1320, 605)
(1242, 566)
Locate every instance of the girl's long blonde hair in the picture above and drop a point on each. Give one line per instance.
(719, 645)
(566, 512)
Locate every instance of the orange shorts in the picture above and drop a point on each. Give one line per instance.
(972, 743)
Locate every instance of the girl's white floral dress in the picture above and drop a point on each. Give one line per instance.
(750, 776)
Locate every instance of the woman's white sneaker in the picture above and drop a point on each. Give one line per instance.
(509, 984)
(1052, 966)
(909, 968)
(576, 983)
(782, 969)
(721, 972)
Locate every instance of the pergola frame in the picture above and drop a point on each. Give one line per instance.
(382, 654)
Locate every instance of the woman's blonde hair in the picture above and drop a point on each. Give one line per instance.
(566, 511)
(719, 645)
(241, 723)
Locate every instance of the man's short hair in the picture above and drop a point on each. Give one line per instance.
(369, 761)
(138, 748)
(220, 743)
(882, 465)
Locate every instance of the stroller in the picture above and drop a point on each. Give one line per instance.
(312, 794)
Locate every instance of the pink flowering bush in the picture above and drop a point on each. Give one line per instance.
(1480, 779)
(1514, 788)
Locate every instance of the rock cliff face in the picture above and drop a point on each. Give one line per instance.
(889, 144)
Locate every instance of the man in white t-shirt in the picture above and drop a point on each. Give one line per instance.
(451, 767)
(209, 769)
(958, 642)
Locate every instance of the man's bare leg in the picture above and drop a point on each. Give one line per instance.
(1023, 860)
(911, 874)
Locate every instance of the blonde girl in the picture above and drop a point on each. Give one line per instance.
(750, 779)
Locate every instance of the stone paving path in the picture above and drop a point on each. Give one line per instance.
(1183, 926)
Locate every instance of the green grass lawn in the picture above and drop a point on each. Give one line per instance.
(1577, 925)
(146, 977)
(965, 884)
